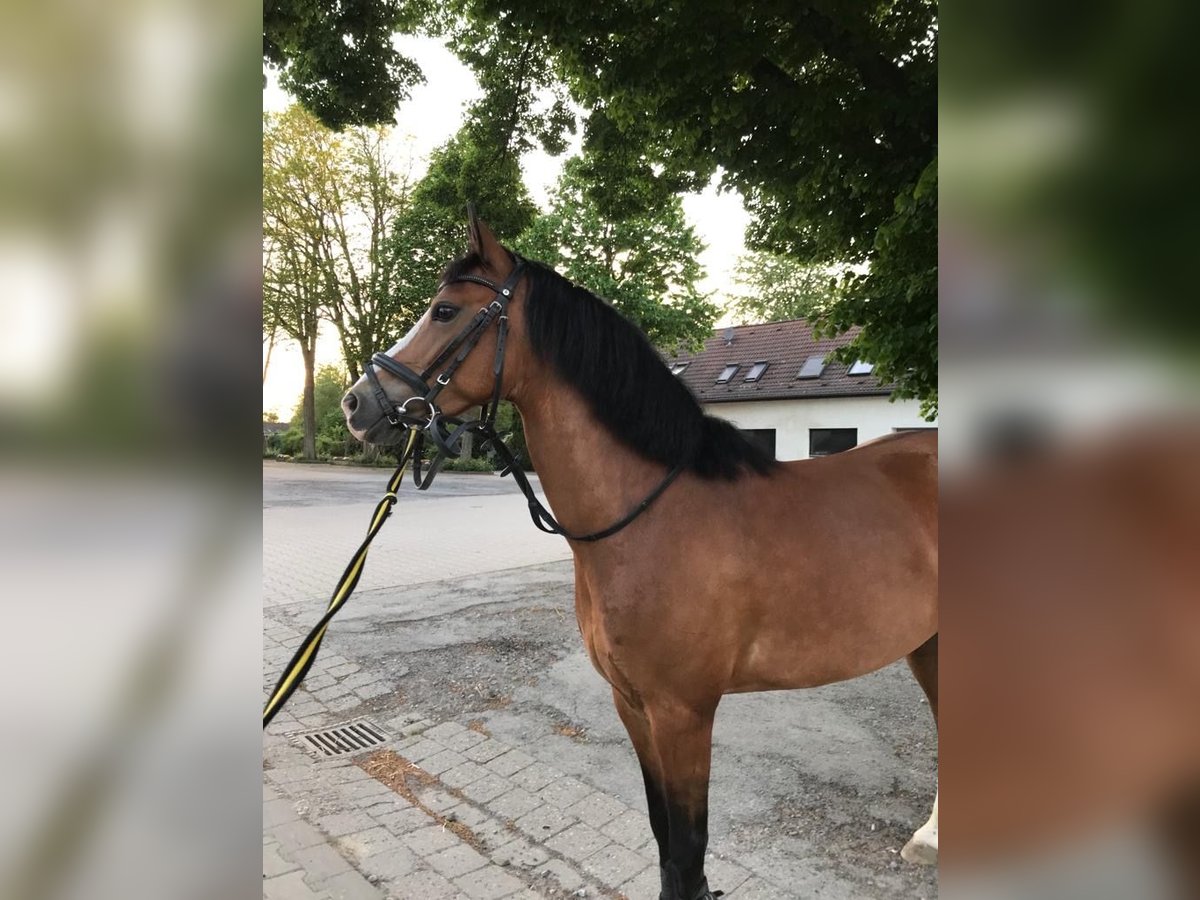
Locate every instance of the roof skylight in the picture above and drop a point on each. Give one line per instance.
(812, 368)
(756, 371)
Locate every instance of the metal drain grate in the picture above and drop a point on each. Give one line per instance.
(351, 738)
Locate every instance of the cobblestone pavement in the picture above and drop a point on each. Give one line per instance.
(473, 817)
(439, 809)
(484, 820)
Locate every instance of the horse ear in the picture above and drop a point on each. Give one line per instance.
(481, 240)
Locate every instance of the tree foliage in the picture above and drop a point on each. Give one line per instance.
(431, 230)
(337, 196)
(295, 287)
(329, 384)
(822, 116)
(332, 436)
(338, 59)
(645, 265)
(774, 288)
(903, 340)
(329, 201)
(368, 195)
(523, 105)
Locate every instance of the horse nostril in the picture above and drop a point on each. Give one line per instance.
(350, 402)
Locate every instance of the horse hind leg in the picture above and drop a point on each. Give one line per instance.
(923, 846)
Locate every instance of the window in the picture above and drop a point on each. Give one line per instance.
(756, 371)
(763, 438)
(727, 373)
(861, 368)
(824, 441)
(677, 368)
(812, 368)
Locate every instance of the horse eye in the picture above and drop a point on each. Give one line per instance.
(444, 312)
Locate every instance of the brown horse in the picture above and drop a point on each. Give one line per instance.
(746, 574)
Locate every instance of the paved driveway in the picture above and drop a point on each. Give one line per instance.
(505, 772)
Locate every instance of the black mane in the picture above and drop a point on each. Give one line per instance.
(625, 382)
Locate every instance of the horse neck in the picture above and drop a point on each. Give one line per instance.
(590, 478)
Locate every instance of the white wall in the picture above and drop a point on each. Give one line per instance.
(791, 419)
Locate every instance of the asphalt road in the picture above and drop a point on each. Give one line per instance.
(299, 484)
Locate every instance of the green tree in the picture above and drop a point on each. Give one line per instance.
(294, 286)
(895, 297)
(523, 105)
(645, 265)
(774, 288)
(366, 196)
(329, 385)
(338, 59)
(430, 232)
(297, 289)
(335, 198)
(824, 118)
(293, 291)
(422, 241)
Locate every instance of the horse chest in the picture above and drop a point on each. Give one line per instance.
(590, 618)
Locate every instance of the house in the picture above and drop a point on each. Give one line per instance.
(779, 385)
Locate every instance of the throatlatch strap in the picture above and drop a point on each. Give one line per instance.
(302, 661)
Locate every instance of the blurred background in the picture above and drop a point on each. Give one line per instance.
(129, 525)
(1070, 751)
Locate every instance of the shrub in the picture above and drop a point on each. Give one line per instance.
(289, 443)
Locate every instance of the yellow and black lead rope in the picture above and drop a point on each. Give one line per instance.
(294, 674)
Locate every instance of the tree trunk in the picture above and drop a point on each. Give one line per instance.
(467, 447)
(310, 403)
(270, 347)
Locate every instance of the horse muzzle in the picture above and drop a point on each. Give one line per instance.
(370, 421)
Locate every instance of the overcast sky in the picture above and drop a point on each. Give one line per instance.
(430, 118)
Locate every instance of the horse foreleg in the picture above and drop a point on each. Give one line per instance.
(638, 727)
(681, 736)
(923, 846)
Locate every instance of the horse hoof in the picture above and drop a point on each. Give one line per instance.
(921, 850)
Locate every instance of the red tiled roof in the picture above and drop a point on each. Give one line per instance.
(784, 346)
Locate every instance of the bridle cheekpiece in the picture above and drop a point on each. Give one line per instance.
(456, 351)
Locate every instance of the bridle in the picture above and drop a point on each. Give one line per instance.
(464, 342)
(447, 433)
